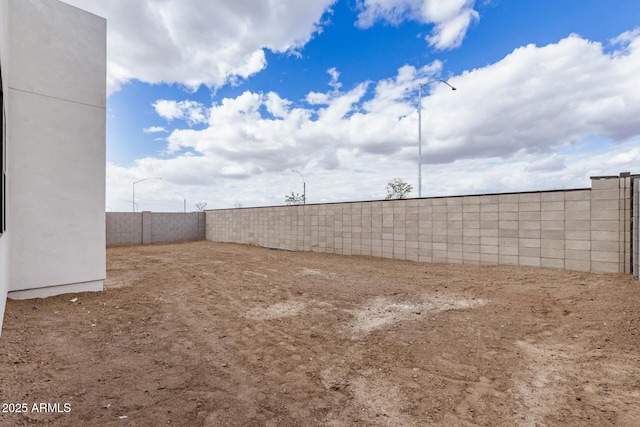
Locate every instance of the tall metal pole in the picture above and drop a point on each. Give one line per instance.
(184, 199)
(134, 190)
(420, 140)
(420, 86)
(304, 187)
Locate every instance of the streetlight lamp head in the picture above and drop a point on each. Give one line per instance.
(453, 88)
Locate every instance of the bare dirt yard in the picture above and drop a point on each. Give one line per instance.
(211, 334)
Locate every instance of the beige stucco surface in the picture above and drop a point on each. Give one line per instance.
(54, 70)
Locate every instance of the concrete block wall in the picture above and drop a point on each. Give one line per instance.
(582, 229)
(610, 245)
(171, 227)
(123, 228)
(635, 239)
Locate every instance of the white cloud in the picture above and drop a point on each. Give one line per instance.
(541, 118)
(216, 42)
(277, 106)
(190, 111)
(537, 99)
(628, 38)
(392, 11)
(196, 42)
(451, 18)
(335, 75)
(155, 129)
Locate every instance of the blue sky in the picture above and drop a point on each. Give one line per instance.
(222, 99)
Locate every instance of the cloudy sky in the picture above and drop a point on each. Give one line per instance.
(222, 99)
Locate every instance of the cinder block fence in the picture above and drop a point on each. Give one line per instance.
(141, 228)
(586, 229)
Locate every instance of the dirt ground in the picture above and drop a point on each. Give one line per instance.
(211, 334)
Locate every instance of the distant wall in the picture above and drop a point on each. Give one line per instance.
(583, 229)
(635, 239)
(123, 228)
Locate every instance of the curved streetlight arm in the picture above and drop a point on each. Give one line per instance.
(420, 86)
(134, 189)
(304, 186)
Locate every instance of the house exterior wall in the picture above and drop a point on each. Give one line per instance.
(4, 275)
(54, 70)
(4, 234)
(583, 229)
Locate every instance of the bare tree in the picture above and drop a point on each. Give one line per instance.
(201, 206)
(237, 204)
(398, 189)
(294, 199)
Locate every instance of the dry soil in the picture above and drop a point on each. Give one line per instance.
(211, 334)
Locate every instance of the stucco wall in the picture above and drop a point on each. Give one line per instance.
(129, 228)
(4, 237)
(56, 111)
(4, 275)
(580, 229)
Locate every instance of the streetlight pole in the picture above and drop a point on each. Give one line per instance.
(184, 199)
(420, 86)
(304, 187)
(134, 190)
